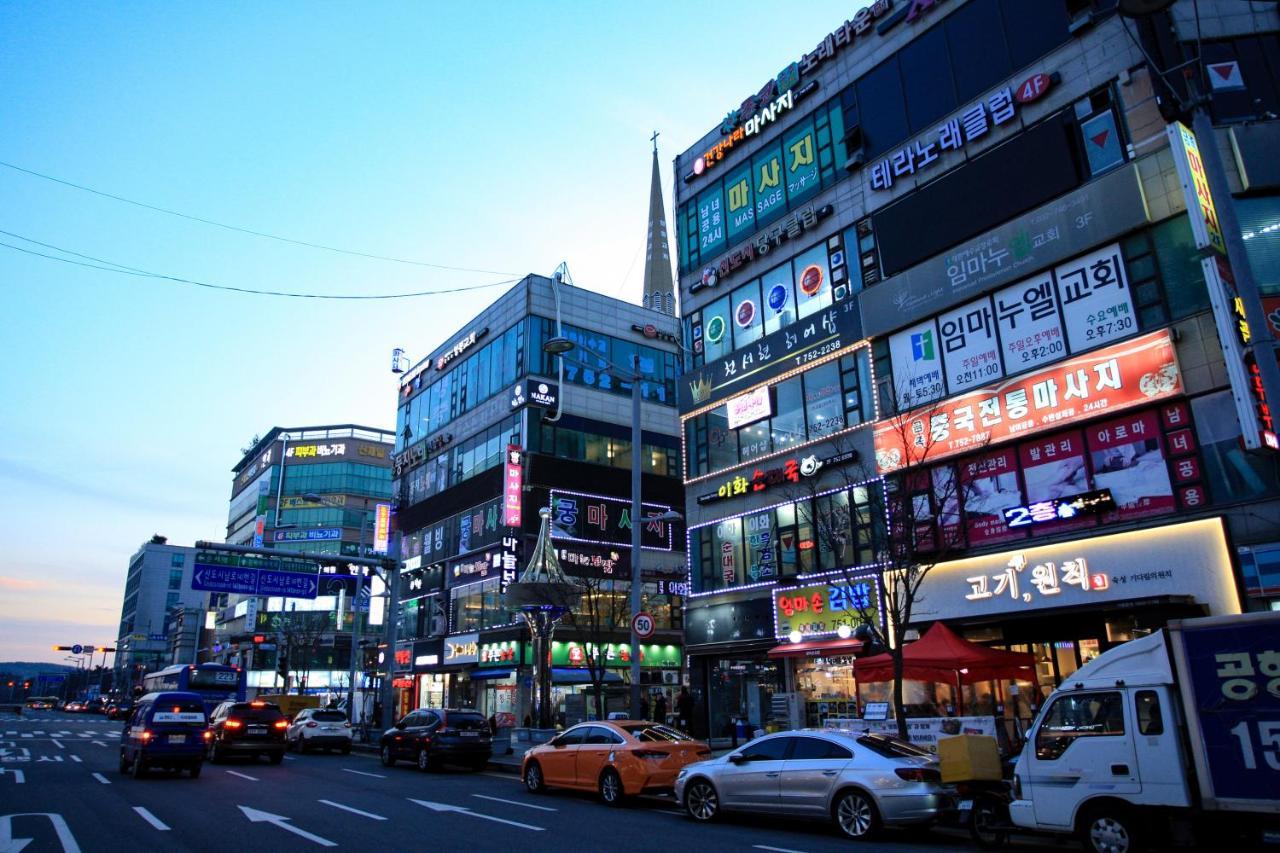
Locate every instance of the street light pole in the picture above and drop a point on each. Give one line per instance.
(637, 514)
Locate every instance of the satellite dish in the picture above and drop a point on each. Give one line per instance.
(1143, 8)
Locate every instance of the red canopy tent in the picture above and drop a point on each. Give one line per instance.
(943, 655)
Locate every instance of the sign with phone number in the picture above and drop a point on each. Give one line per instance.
(821, 609)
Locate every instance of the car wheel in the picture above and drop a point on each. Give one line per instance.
(610, 787)
(533, 780)
(856, 815)
(1111, 830)
(194, 769)
(387, 758)
(701, 801)
(139, 767)
(424, 760)
(276, 757)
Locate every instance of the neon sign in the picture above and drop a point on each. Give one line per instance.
(460, 347)
(1057, 509)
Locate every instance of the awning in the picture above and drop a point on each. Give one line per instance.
(572, 675)
(817, 649)
(491, 673)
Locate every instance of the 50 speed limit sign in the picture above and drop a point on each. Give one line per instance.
(642, 625)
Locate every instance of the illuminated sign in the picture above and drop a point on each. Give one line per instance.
(426, 660)
(322, 534)
(315, 451)
(1195, 188)
(766, 241)
(404, 657)
(1057, 509)
(789, 472)
(460, 347)
(506, 652)
(614, 654)
(957, 132)
(402, 683)
(1121, 376)
(513, 481)
(307, 503)
(543, 394)
(767, 106)
(381, 527)
(651, 331)
(822, 609)
(464, 648)
(605, 520)
(750, 407)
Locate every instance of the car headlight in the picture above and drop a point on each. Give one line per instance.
(684, 771)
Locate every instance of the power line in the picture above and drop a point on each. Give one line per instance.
(242, 230)
(121, 269)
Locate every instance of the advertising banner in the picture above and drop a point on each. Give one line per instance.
(1129, 462)
(821, 609)
(1121, 376)
(922, 731)
(512, 488)
(917, 365)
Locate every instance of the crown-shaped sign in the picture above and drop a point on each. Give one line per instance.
(700, 389)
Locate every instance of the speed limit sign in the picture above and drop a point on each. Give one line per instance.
(642, 625)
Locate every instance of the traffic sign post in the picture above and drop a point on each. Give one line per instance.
(643, 625)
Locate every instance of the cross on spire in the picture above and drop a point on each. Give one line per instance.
(654, 140)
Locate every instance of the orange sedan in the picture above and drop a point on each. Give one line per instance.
(618, 758)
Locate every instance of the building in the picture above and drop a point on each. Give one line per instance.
(960, 227)
(317, 490)
(157, 589)
(491, 429)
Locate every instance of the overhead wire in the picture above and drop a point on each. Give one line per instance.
(121, 269)
(251, 231)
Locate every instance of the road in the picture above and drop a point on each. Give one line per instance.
(60, 788)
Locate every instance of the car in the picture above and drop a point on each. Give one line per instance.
(120, 709)
(41, 703)
(617, 759)
(319, 728)
(74, 707)
(247, 728)
(168, 729)
(430, 737)
(860, 781)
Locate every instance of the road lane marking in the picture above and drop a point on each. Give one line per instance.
(38, 732)
(670, 811)
(151, 819)
(103, 779)
(76, 759)
(290, 758)
(515, 803)
(17, 775)
(776, 849)
(12, 845)
(243, 776)
(510, 777)
(362, 773)
(445, 807)
(58, 743)
(98, 742)
(257, 816)
(353, 811)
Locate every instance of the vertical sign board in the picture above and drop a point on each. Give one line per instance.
(512, 482)
(1234, 688)
(260, 523)
(1195, 188)
(381, 527)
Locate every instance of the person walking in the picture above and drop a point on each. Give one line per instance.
(660, 709)
(684, 709)
(644, 707)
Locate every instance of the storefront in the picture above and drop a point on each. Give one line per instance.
(428, 683)
(403, 689)
(501, 680)
(731, 675)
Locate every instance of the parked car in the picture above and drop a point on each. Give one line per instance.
(860, 781)
(247, 728)
(618, 758)
(165, 730)
(41, 703)
(319, 728)
(433, 736)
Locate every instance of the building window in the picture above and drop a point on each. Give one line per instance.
(177, 560)
(175, 579)
(171, 600)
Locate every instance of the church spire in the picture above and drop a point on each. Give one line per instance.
(659, 287)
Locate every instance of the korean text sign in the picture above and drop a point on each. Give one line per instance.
(1121, 376)
(1234, 686)
(820, 609)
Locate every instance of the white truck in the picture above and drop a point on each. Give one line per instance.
(1169, 739)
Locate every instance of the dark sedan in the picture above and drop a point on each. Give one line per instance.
(430, 737)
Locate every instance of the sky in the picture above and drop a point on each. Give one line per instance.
(503, 137)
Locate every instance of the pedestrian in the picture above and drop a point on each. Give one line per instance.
(528, 721)
(644, 707)
(660, 709)
(684, 709)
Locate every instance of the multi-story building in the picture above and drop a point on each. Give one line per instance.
(305, 489)
(951, 239)
(491, 429)
(156, 589)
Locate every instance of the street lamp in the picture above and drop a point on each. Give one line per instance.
(560, 346)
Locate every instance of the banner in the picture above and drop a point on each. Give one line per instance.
(1118, 377)
(922, 731)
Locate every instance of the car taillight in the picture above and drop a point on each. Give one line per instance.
(284, 724)
(145, 735)
(208, 735)
(918, 774)
(233, 724)
(312, 725)
(346, 725)
(649, 753)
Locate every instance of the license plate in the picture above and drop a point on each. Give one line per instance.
(177, 738)
(257, 730)
(471, 734)
(964, 805)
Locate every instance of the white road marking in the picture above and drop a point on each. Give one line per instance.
(257, 816)
(362, 773)
(12, 845)
(57, 743)
(17, 775)
(103, 779)
(445, 807)
(76, 759)
(27, 735)
(353, 811)
(243, 776)
(290, 758)
(38, 732)
(515, 803)
(98, 742)
(510, 777)
(670, 811)
(151, 819)
(776, 849)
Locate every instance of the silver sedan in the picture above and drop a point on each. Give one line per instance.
(860, 781)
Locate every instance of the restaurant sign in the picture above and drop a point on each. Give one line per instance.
(1121, 376)
(822, 609)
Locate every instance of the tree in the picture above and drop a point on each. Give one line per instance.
(915, 522)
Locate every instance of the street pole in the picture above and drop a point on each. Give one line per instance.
(391, 575)
(1260, 337)
(355, 620)
(637, 515)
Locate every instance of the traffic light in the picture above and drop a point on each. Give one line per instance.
(258, 639)
(282, 665)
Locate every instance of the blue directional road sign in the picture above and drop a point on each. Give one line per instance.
(222, 571)
(77, 649)
(224, 579)
(288, 584)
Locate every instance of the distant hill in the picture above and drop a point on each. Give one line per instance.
(28, 669)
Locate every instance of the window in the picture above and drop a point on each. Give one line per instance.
(601, 735)
(823, 404)
(771, 749)
(882, 106)
(787, 425)
(979, 56)
(573, 737)
(171, 600)
(926, 79)
(175, 579)
(816, 749)
(813, 280)
(1034, 29)
(177, 560)
(1147, 705)
(748, 318)
(1259, 58)
(1234, 474)
(779, 298)
(1075, 716)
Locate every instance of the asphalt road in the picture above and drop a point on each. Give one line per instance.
(60, 787)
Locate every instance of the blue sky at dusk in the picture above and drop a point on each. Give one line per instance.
(507, 137)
